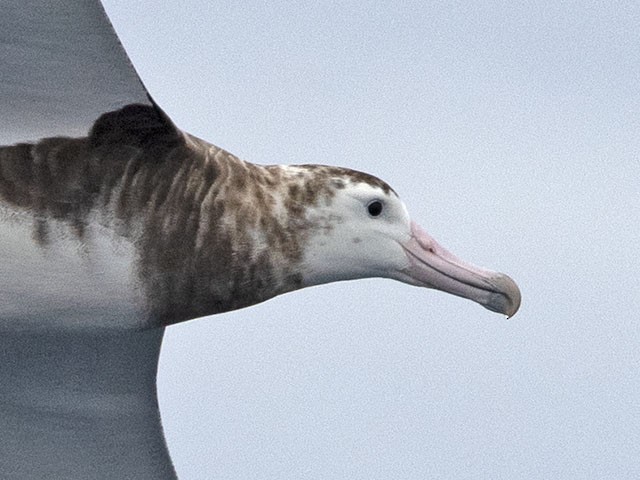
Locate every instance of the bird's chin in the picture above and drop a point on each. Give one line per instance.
(432, 266)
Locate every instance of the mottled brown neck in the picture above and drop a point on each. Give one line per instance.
(211, 233)
(202, 221)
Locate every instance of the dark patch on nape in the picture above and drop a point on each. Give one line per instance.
(336, 176)
(308, 185)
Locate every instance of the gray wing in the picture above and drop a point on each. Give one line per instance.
(62, 66)
(78, 407)
(72, 404)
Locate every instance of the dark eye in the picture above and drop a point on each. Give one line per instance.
(375, 208)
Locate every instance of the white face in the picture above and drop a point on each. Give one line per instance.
(363, 232)
(358, 235)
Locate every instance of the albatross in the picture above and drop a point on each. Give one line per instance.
(115, 224)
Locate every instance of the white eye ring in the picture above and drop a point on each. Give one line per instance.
(375, 208)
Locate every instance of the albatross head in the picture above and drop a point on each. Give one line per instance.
(362, 229)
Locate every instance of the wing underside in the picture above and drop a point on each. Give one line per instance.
(62, 66)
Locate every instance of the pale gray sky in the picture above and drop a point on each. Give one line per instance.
(512, 132)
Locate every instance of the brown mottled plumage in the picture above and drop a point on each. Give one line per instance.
(212, 233)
